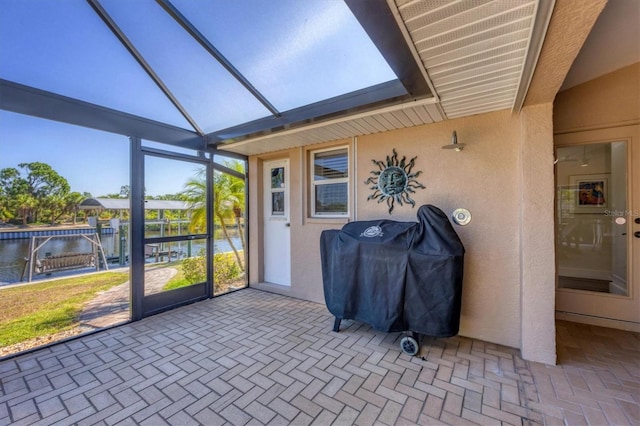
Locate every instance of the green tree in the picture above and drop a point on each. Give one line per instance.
(24, 204)
(54, 206)
(31, 188)
(228, 203)
(43, 180)
(125, 191)
(18, 203)
(195, 193)
(72, 204)
(236, 199)
(5, 211)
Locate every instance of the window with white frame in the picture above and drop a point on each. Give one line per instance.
(330, 182)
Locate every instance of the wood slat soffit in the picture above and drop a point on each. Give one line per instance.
(475, 52)
(477, 56)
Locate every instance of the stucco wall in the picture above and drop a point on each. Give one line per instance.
(306, 272)
(612, 100)
(483, 178)
(570, 25)
(537, 251)
(486, 178)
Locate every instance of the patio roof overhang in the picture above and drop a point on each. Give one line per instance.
(27, 100)
(409, 84)
(451, 59)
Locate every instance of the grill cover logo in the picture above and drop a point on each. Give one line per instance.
(372, 231)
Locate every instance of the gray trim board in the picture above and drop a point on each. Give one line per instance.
(211, 49)
(136, 230)
(115, 29)
(21, 99)
(361, 100)
(380, 25)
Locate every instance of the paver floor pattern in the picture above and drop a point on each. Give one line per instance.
(597, 381)
(252, 357)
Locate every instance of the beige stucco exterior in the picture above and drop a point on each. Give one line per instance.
(488, 177)
(612, 100)
(537, 245)
(504, 176)
(569, 27)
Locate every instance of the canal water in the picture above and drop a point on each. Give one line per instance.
(13, 252)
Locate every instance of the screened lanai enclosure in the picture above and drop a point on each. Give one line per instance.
(265, 118)
(138, 101)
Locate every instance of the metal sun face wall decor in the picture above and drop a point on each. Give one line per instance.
(394, 181)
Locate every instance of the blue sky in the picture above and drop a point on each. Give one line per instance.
(294, 51)
(92, 161)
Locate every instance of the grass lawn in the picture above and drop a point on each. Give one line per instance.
(41, 309)
(178, 279)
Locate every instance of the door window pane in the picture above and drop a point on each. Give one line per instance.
(277, 203)
(172, 265)
(277, 177)
(175, 197)
(592, 235)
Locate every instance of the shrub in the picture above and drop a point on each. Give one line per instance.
(194, 269)
(226, 269)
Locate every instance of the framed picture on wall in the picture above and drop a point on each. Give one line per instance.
(592, 192)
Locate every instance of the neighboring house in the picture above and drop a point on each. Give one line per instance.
(502, 96)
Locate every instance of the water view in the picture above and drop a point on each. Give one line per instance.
(13, 252)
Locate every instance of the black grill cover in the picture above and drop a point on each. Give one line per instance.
(396, 276)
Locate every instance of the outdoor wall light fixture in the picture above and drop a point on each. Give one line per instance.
(454, 143)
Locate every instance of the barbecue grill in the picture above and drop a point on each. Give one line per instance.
(396, 276)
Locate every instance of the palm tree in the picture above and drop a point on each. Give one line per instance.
(72, 203)
(25, 203)
(237, 190)
(195, 193)
(228, 202)
(5, 210)
(54, 204)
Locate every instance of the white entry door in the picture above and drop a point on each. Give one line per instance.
(277, 237)
(598, 233)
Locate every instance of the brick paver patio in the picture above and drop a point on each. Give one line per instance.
(252, 358)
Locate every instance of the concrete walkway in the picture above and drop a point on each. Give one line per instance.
(112, 306)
